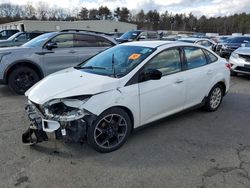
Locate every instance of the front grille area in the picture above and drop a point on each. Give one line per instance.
(246, 57)
(244, 69)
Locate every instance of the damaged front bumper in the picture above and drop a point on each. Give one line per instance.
(70, 126)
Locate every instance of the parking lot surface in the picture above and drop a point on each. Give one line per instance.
(194, 149)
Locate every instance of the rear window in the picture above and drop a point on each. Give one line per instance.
(195, 57)
(210, 57)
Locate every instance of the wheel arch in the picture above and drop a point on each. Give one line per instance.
(223, 85)
(26, 63)
(127, 110)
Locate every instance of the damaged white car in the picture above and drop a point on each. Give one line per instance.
(103, 99)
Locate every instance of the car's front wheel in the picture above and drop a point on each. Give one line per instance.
(214, 98)
(21, 79)
(110, 131)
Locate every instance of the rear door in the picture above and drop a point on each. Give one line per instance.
(198, 75)
(159, 98)
(86, 45)
(63, 56)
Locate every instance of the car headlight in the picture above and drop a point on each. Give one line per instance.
(3, 54)
(235, 55)
(66, 109)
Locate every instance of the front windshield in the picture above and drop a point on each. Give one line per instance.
(130, 35)
(14, 36)
(117, 61)
(38, 41)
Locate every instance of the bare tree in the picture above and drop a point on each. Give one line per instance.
(42, 10)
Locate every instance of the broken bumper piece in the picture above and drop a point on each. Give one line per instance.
(66, 128)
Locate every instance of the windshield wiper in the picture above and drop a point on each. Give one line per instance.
(89, 67)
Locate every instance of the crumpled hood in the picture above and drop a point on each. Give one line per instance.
(70, 82)
(243, 50)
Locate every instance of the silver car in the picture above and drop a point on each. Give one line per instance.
(240, 60)
(21, 67)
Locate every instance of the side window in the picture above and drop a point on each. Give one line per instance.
(102, 42)
(167, 62)
(63, 40)
(195, 57)
(211, 57)
(34, 35)
(83, 40)
(199, 42)
(21, 37)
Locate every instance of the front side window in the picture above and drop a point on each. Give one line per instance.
(117, 61)
(63, 41)
(195, 57)
(21, 37)
(167, 62)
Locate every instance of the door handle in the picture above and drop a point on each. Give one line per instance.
(72, 51)
(178, 81)
(209, 72)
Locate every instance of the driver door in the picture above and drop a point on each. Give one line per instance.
(61, 57)
(159, 98)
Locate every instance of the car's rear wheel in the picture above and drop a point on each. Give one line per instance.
(21, 79)
(214, 98)
(110, 131)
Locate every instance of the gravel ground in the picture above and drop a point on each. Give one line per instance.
(194, 149)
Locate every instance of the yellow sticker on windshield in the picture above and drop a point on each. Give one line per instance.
(134, 56)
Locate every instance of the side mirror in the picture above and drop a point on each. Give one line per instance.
(150, 74)
(243, 45)
(51, 45)
(15, 39)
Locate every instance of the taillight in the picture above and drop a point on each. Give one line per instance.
(228, 65)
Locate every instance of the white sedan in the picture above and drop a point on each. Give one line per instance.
(127, 86)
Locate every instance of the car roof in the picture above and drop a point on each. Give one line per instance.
(149, 44)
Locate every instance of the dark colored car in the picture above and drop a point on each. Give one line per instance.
(232, 44)
(6, 33)
(138, 35)
(19, 38)
(219, 42)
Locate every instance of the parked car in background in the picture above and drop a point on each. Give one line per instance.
(219, 41)
(19, 38)
(21, 67)
(200, 41)
(127, 86)
(6, 33)
(240, 60)
(232, 44)
(138, 35)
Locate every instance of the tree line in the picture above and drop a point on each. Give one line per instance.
(151, 20)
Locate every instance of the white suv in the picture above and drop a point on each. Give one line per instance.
(127, 86)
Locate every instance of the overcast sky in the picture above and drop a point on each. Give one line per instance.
(197, 7)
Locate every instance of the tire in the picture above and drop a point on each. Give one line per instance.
(221, 54)
(105, 134)
(214, 98)
(21, 79)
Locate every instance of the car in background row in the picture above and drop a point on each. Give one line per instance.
(138, 35)
(19, 38)
(200, 41)
(6, 33)
(127, 86)
(240, 60)
(23, 66)
(232, 44)
(219, 41)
